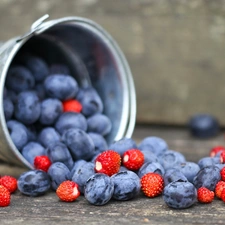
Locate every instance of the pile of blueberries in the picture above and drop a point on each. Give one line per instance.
(33, 105)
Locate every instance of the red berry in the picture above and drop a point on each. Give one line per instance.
(9, 182)
(152, 184)
(4, 196)
(42, 163)
(72, 105)
(205, 195)
(222, 157)
(222, 173)
(216, 149)
(133, 159)
(108, 162)
(219, 187)
(223, 195)
(68, 191)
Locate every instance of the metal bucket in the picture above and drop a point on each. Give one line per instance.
(93, 57)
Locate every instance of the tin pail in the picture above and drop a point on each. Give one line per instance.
(93, 57)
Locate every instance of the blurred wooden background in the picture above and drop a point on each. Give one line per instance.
(175, 48)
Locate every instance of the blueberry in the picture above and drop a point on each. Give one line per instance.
(207, 177)
(189, 169)
(40, 90)
(150, 156)
(82, 174)
(203, 126)
(77, 164)
(58, 152)
(123, 168)
(90, 100)
(18, 133)
(61, 86)
(154, 144)
(123, 145)
(12, 95)
(58, 173)
(34, 182)
(70, 120)
(51, 109)
(100, 124)
(99, 142)
(99, 189)
(48, 136)
(19, 79)
(126, 185)
(32, 132)
(172, 175)
(171, 158)
(153, 167)
(31, 150)
(206, 161)
(27, 108)
(58, 68)
(80, 144)
(180, 195)
(37, 66)
(8, 108)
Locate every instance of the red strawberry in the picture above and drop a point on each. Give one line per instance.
(205, 195)
(4, 196)
(9, 182)
(219, 187)
(108, 162)
(223, 195)
(72, 105)
(133, 159)
(222, 173)
(216, 149)
(222, 157)
(68, 191)
(42, 163)
(152, 184)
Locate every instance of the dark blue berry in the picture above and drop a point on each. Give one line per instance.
(58, 152)
(99, 189)
(99, 142)
(58, 173)
(90, 100)
(126, 185)
(180, 195)
(203, 126)
(150, 156)
(8, 108)
(27, 108)
(154, 144)
(48, 136)
(51, 109)
(82, 174)
(70, 120)
(153, 167)
(61, 86)
(100, 124)
(31, 150)
(79, 143)
(19, 79)
(58, 68)
(34, 183)
(123, 145)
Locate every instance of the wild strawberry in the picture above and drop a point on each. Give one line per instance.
(108, 162)
(152, 184)
(222, 196)
(204, 195)
(72, 105)
(68, 191)
(215, 150)
(133, 159)
(222, 173)
(4, 196)
(9, 182)
(222, 157)
(42, 163)
(219, 187)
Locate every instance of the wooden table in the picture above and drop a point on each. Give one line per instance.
(48, 209)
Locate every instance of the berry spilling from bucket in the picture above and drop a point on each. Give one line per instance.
(60, 128)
